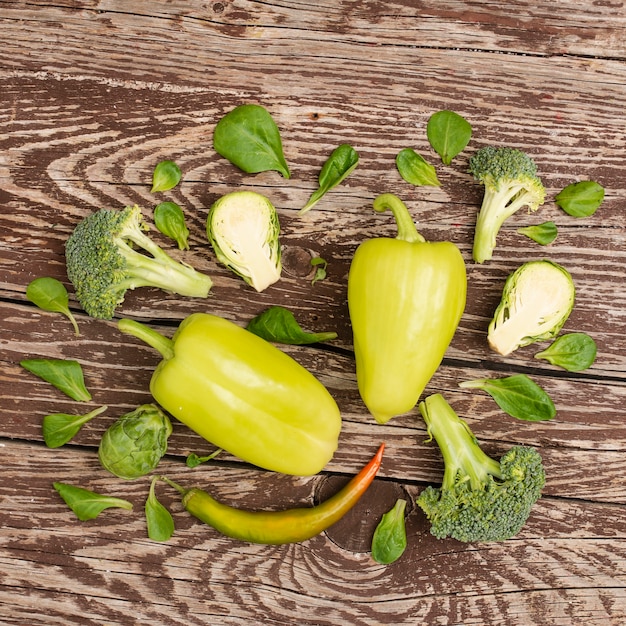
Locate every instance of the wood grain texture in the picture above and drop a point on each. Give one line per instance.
(93, 94)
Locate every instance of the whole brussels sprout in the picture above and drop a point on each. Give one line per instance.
(134, 444)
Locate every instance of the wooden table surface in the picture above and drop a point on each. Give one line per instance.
(93, 94)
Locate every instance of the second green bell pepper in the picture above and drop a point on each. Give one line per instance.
(243, 394)
(405, 298)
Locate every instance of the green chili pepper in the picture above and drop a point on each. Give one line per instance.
(279, 527)
(243, 394)
(405, 297)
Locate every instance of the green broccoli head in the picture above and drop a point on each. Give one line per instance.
(480, 499)
(510, 182)
(103, 262)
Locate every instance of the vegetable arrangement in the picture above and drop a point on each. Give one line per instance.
(241, 393)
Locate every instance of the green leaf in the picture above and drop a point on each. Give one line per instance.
(389, 541)
(50, 294)
(59, 428)
(166, 176)
(448, 134)
(415, 170)
(518, 396)
(193, 460)
(158, 519)
(170, 220)
(320, 266)
(88, 504)
(279, 325)
(65, 375)
(249, 138)
(573, 352)
(581, 199)
(543, 234)
(339, 165)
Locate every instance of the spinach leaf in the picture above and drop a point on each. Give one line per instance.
(50, 294)
(158, 519)
(59, 428)
(415, 170)
(166, 176)
(193, 460)
(320, 266)
(88, 504)
(543, 234)
(580, 199)
(448, 134)
(518, 396)
(64, 374)
(340, 164)
(389, 541)
(170, 220)
(573, 352)
(249, 138)
(279, 325)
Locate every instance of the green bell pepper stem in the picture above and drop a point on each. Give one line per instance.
(278, 527)
(154, 339)
(406, 226)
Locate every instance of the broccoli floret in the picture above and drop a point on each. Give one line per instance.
(102, 262)
(510, 180)
(480, 499)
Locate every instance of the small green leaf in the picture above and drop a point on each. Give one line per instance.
(170, 220)
(158, 519)
(193, 460)
(543, 234)
(517, 395)
(249, 138)
(339, 165)
(415, 170)
(65, 375)
(166, 176)
(88, 504)
(320, 266)
(448, 134)
(573, 352)
(279, 325)
(59, 428)
(50, 294)
(581, 199)
(389, 541)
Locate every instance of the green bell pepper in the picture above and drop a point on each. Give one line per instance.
(405, 299)
(243, 394)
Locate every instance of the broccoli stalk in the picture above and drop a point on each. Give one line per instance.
(510, 182)
(480, 499)
(102, 262)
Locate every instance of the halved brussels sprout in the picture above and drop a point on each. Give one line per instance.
(536, 301)
(243, 229)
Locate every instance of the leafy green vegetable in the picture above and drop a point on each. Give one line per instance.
(50, 294)
(88, 504)
(415, 170)
(159, 520)
(320, 266)
(166, 176)
(59, 428)
(249, 138)
(64, 374)
(279, 325)
(448, 134)
(517, 395)
(581, 199)
(543, 234)
(193, 460)
(170, 220)
(389, 541)
(339, 165)
(574, 352)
